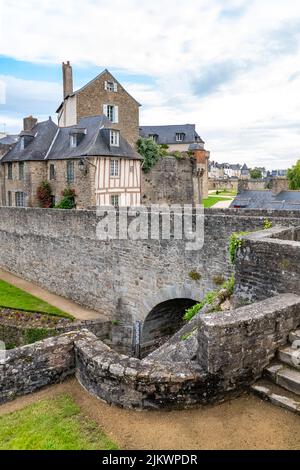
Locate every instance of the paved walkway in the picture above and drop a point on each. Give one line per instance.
(244, 423)
(68, 306)
(222, 204)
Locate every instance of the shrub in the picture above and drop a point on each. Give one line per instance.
(209, 298)
(267, 224)
(150, 151)
(235, 242)
(195, 276)
(44, 195)
(68, 199)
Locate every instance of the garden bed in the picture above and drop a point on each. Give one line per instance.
(18, 327)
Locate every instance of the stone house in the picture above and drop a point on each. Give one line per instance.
(102, 95)
(92, 158)
(177, 137)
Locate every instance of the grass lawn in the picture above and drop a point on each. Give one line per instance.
(13, 297)
(52, 424)
(226, 192)
(212, 200)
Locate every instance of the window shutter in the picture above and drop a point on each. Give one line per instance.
(105, 109)
(116, 115)
(115, 87)
(105, 85)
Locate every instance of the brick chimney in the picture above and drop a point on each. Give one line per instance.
(28, 123)
(67, 79)
(278, 185)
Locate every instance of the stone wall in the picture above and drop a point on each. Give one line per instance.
(233, 348)
(124, 279)
(268, 263)
(29, 368)
(170, 181)
(92, 97)
(236, 346)
(16, 335)
(221, 184)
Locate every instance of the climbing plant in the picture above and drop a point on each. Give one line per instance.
(68, 199)
(44, 195)
(150, 151)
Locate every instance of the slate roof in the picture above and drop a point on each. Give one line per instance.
(167, 134)
(264, 199)
(9, 140)
(44, 133)
(93, 141)
(50, 142)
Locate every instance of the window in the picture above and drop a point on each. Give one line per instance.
(114, 200)
(114, 138)
(22, 144)
(73, 140)
(70, 172)
(111, 86)
(180, 136)
(111, 112)
(20, 199)
(114, 168)
(52, 172)
(153, 137)
(10, 171)
(9, 200)
(21, 170)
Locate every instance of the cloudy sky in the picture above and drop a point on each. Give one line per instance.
(232, 67)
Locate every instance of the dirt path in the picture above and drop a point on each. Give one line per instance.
(244, 423)
(68, 306)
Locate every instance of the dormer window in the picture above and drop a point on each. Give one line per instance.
(114, 138)
(111, 86)
(22, 144)
(154, 137)
(180, 136)
(73, 140)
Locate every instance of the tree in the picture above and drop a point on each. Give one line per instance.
(293, 175)
(150, 151)
(256, 173)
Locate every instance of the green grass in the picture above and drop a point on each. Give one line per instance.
(53, 424)
(225, 192)
(13, 297)
(212, 200)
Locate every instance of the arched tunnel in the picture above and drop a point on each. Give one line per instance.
(162, 322)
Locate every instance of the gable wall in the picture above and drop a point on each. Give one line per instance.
(91, 99)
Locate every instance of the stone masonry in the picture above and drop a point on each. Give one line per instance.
(126, 279)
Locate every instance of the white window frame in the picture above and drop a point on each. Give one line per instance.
(115, 200)
(180, 136)
(22, 145)
(109, 85)
(114, 138)
(73, 141)
(114, 168)
(111, 112)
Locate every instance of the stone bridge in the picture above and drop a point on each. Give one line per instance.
(149, 281)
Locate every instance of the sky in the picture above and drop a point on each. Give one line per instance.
(229, 66)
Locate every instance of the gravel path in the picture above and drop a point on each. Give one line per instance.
(244, 423)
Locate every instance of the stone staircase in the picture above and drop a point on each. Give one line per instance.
(281, 380)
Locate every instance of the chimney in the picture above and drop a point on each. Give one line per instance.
(67, 79)
(28, 123)
(278, 185)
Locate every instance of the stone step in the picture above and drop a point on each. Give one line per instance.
(294, 336)
(285, 376)
(277, 395)
(290, 355)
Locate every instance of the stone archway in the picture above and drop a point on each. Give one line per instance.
(163, 321)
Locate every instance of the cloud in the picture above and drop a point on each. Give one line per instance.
(230, 66)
